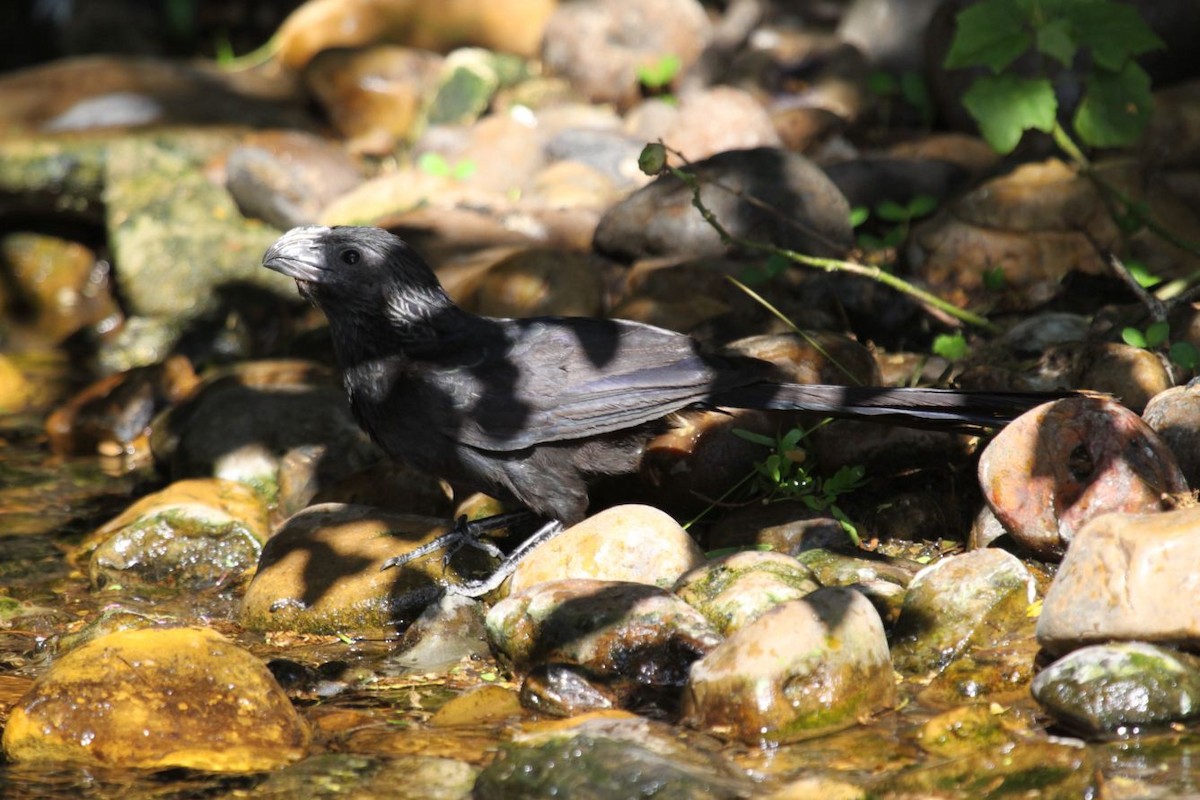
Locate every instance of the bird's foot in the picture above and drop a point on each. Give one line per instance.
(480, 587)
(465, 533)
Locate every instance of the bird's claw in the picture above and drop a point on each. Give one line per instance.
(465, 533)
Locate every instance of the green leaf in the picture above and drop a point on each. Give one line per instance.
(756, 438)
(1133, 337)
(1005, 106)
(882, 83)
(992, 33)
(658, 74)
(1054, 39)
(951, 346)
(433, 164)
(915, 91)
(464, 169)
(859, 215)
(994, 279)
(1114, 32)
(891, 211)
(1184, 354)
(1157, 333)
(1142, 274)
(1115, 107)
(921, 205)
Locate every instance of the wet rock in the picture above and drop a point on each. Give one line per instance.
(737, 589)
(285, 178)
(1048, 768)
(539, 282)
(703, 123)
(511, 26)
(881, 579)
(64, 177)
(1062, 464)
(599, 45)
(963, 731)
(331, 775)
(610, 628)
(659, 220)
(16, 390)
(481, 705)
(804, 668)
(1122, 579)
(373, 96)
(1174, 414)
(113, 414)
(445, 633)
(558, 690)
(112, 91)
(193, 535)
(962, 603)
(320, 572)
(1126, 688)
(624, 543)
(158, 699)
(242, 422)
(54, 285)
(164, 212)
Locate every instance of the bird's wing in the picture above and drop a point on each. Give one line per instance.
(569, 378)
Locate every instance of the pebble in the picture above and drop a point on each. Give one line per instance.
(806, 667)
(599, 45)
(609, 628)
(193, 535)
(737, 589)
(1125, 688)
(158, 698)
(1054, 468)
(320, 572)
(625, 543)
(659, 219)
(1174, 414)
(1123, 579)
(962, 603)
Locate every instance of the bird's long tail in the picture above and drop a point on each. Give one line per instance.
(947, 409)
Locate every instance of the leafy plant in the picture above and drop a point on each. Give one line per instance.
(951, 346)
(909, 87)
(899, 217)
(657, 75)
(1157, 335)
(437, 165)
(783, 475)
(1116, 100)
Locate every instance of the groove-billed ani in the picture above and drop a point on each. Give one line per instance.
(530, 409)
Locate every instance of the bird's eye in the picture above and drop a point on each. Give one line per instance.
(350, 256)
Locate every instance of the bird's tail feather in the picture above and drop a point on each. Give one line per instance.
(952, 409)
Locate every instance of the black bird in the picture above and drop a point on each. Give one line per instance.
(529, 410)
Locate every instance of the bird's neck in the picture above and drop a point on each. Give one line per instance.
(409, 323)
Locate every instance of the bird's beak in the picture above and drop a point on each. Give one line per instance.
(298, 254)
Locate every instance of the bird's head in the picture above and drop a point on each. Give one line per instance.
(349, 271)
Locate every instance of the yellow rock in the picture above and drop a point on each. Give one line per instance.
(158, 698)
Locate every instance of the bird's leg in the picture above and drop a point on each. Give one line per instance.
(478, 588)
(464, 533)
